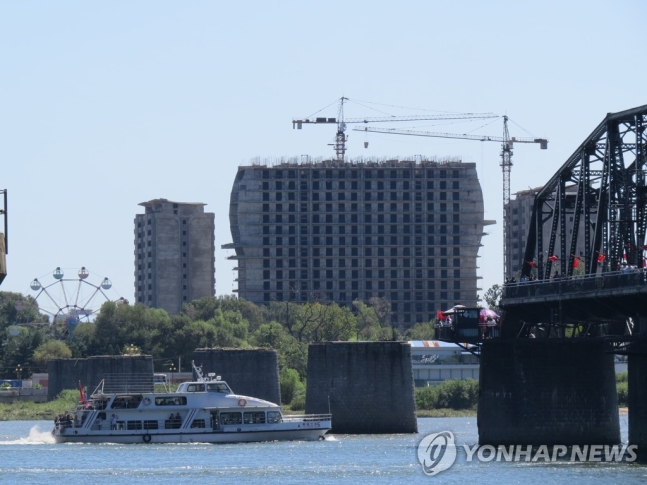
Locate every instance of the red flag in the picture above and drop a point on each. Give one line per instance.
(601, 258)
(81, 392)
(532, 264)
(440, 315)
(552, 258)
(576, 262)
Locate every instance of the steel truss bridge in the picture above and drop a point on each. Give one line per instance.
(586, 243)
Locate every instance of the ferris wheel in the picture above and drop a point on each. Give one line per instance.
(70, 301)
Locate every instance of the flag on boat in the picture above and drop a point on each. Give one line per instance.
(532, 264)
(552, 258)
(576, 260)
(601, 258)
(81, 393)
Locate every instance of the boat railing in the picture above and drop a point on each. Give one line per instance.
(293, 418)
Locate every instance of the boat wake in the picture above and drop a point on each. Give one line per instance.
(36, 437)
(329, 437)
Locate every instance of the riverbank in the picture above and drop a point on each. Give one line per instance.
(29, 411)
(33, 411)
(445, 413)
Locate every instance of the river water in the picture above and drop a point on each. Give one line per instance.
(28, 456)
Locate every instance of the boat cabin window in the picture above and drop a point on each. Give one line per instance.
(231, 418)
(133, 425)
(220, 387)
(126, 402)
(273, 417)
(198, 423)
(257, 417)
(170, 401)
(195, 388)
(151, 424)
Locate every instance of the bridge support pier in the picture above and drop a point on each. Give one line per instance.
(637, 368)
(367, 386)
(547, 392)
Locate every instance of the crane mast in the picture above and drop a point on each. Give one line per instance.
(506, 166)
(507, 143)
(340, 137)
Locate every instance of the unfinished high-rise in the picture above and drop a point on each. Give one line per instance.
(174, 254)
(408, 231)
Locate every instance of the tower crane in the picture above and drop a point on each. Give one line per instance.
(341, 137)
(507, 143)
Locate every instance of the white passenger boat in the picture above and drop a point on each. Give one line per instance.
(202, 411)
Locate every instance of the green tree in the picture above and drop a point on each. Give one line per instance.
(315, 322)
(421, 331)
(189, 335)
(49, 350)
(290, 384)
(338, 323)
(292, 353)
(206, 308)
(272, 335)
(454, 394)
(493, 297)
(382, 309)
(82, 340)
(118, 325)
(370, 324)
(19, 349)
(17, 309)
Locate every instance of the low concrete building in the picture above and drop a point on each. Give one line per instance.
(434, 361)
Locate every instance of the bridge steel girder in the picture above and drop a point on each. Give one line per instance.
(606, 173)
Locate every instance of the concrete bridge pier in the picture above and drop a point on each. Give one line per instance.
(367, 386)
(637, 367)
(548, 392)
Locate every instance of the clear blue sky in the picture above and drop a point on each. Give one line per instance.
(107, 104)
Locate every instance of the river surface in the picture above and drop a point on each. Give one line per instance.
(28, 456)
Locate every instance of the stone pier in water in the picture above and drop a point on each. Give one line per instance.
(114, 370)
(249, 372)
(547, 392)
(367, 386)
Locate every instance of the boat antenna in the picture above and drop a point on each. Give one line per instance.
(198, 371)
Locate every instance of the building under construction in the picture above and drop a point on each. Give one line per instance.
(520, 209)
(406, 230)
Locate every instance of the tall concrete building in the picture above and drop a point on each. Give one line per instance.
(408, 231)
(520, 209)
(174, 254)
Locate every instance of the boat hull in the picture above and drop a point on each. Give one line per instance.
(202, 436)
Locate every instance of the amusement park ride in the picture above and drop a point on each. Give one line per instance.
(67, 301)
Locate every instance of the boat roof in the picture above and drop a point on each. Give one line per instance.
(433, 344)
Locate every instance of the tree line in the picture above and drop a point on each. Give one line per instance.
(28, 338)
